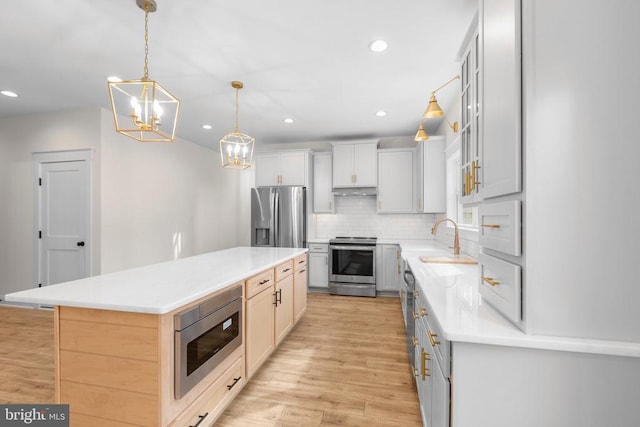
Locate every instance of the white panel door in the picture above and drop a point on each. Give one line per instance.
(395, 181)
(343, 166)
(323, 199)
(365, 164)
(267, 170)
(293, 168)
(63, 217)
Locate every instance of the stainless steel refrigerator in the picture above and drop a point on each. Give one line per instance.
(279, 217)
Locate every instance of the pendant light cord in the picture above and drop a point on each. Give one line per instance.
(237, 127)
(146, 42)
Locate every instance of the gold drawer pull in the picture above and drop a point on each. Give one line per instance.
(415, 315)
(425, 371)
(490, 225)
(414, 341)
(423, 311)
(432, 340)
(416, 294)
(490, 280)
(416, 372)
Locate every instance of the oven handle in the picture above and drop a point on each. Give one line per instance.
(353, 248)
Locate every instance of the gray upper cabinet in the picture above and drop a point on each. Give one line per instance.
(500, 97)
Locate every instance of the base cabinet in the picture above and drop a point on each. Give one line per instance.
(210, 404)
(299, 287)
(260, 329)
(318, 265)
(388, 268)
(284, 308)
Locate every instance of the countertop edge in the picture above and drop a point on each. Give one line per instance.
(506, 333)
(26, 296)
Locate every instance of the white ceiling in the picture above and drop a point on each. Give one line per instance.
(297, 58)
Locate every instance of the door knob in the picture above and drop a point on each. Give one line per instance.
(80, 243)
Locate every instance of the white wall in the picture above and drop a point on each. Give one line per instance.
(19, 138)
(152, 202)
(163, 201)
(583, 200)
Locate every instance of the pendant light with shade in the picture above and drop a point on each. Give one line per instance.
(236, 148)
(143, 109)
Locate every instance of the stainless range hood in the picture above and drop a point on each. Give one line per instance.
(355, 191)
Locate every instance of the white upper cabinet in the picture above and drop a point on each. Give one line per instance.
(355, 164)
(282, 168)
(396, 192)
(430, 176)
(501, 106)
(491, 116)
(323, 199)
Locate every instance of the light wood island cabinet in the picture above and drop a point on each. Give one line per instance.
(115, 335)
(117, 368)
(299, 287)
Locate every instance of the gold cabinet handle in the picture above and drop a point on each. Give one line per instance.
(355, 178)
(432, 340)
(414, 341)
(490, 280)
(423, 312)
(490, 225)
(423, 364)
(416, 294)
(330, 205)
(474, 181)
(379, 204)
(415, 315)
(416, 372)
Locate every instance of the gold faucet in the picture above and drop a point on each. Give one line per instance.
(456, 241)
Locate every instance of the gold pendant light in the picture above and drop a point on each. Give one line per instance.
(142, 109)
(421, 135)
(236, 148)
(434, 110)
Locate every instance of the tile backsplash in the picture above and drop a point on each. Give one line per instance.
(356, 216)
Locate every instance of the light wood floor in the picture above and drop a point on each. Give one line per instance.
(345, 363)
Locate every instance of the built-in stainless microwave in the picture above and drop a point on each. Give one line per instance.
(204, 336)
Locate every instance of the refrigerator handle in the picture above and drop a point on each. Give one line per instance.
(276, 219)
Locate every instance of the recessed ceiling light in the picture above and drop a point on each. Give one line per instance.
(9, 93)
(288, 120)
(378, 46)
(206, 127)
(381, 113)
(114, 79)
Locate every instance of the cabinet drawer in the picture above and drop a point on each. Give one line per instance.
(300, 261)
(500, 286)
(441, 348)
(283, 270)
(318, 247)
(206, 408)
(258, 283)
(500, 226)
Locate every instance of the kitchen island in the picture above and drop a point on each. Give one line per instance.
(114, 334)
(474, 367)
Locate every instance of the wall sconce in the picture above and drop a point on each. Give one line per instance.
(151, 110)
(434, 110)
(421, 135)
(236, 148)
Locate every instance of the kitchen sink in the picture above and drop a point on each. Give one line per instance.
(448, 259)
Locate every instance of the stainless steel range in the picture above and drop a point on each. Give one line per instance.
(352, 266)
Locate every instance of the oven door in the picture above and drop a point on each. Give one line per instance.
(352, 264)
(201, 347)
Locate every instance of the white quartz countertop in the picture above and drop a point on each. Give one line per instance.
(160, 288)
(452, 291)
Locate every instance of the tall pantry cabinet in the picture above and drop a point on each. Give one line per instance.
(551, 169)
